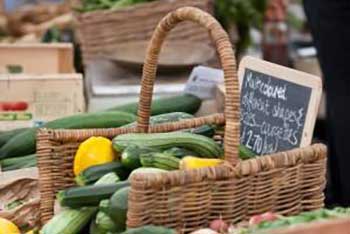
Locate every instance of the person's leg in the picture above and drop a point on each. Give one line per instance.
(330, 23)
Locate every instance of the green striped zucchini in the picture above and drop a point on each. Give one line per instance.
(160, 160)
(204, 146)
(69, 221)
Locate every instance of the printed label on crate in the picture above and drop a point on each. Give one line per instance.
(203, 80)
(9, 116)
(278, 106)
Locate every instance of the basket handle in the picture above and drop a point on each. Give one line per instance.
(228, 62)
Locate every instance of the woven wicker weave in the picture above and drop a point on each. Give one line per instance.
(101, 31)
(286, 182)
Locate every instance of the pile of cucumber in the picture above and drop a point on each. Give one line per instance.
(18, 146)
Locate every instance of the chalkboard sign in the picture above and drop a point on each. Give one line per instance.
(278, 106)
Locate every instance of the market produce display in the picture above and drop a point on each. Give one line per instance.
(103, 168)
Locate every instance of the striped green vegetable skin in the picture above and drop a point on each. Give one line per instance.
(204, 146)
(160, 160)
(69, 221)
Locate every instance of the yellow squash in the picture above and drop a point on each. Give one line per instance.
(7, 227)
(93, 151)
(190, 162)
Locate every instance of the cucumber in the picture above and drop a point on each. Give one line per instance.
(204, 146)
(7, 135)
(90, 195)
(160, 160)
(24, 143)
(118, 208)
(94, 173)
(182, 103)
(130, 157)
(180, 152)
(9, 164)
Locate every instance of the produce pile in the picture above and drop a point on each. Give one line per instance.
(263, 224)
(98, 203)
(103, 167)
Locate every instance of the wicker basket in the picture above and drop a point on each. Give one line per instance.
(287, 182)
(100, 31)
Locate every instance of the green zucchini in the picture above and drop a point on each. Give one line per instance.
(105, 223)
(94, 173)
(24, 143)
(90, 195)
(7, 135)
(118, 208)
(109, 178)
(180, 152)
(245, 153)
(130, 157)
(160, 160)
(9, 164)
(69, 221)
(204, 146)
(182, 103)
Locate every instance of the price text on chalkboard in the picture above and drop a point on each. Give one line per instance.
(273, 112)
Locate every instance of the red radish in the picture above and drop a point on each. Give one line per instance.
(255, 220)
(269, 216)
(218, 225)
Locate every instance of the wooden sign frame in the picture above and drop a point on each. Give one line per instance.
(293, 76)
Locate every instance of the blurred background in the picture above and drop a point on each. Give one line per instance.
(110, 37)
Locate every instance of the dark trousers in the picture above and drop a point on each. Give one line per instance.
(329, 21)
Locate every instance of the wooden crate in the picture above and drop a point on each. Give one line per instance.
(42, 97)
(38, 58)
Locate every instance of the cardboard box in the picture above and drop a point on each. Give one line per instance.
(38, 58)
(30, 100)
